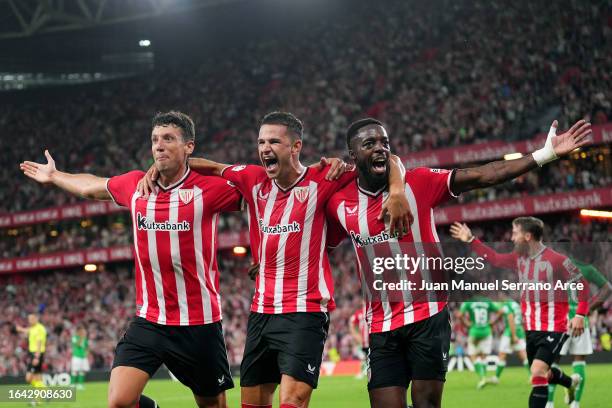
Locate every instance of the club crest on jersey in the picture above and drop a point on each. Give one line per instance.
(186, 195)
(351, 211)
(301, 193)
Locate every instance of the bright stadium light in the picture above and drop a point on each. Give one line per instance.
(144, 43)
(512, 156)
(90, 267)
(596, 213)
(239, 250)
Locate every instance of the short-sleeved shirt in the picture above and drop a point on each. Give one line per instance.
(478, 313)
(175, 245)
(37, 334)
(354, 211)
(289, 234)
(80, 345)
(510, 307)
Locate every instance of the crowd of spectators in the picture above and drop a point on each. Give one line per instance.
(592, 171)
(104, 301)
(438, 73)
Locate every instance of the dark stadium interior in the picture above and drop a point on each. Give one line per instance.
(439, 74)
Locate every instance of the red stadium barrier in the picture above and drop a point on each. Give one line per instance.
(491, 150)
(58, 260)
(514, 207)
(66, 212)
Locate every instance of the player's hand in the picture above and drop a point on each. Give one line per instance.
(337, 167)
(253, 270)
(461, 232)
(577, 325)
(146, 185)
(515, 339)
(400, 217)
(42, 173)
(572, 139)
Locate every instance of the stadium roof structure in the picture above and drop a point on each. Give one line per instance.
(25, 18)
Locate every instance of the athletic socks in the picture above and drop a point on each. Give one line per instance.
(255, 406)
(579, 367)
(480, 368)
(558, 377)
(500, 368)
(539, 392)
(146, 402)
(552, 387)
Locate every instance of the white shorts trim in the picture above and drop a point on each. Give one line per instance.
(79, 365)
(578, 346)
(483, 346)
(507, 348)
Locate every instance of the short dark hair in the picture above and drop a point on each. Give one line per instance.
(354, 127)
(286, 119)
(533, 225)
(178, 119)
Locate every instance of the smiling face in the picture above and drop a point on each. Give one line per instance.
(276, 148)
(370, 151)
(170, 150)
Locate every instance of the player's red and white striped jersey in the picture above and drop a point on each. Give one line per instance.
(294, 274)
(175, 245)
(354, 211)
(543, 310)
(358, 319)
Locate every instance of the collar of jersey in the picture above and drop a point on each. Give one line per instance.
(176, 183)
(538, 253)
(370, 193)
(295, 183)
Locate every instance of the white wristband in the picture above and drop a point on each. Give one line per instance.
(544, 155)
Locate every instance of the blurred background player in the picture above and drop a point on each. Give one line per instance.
(359, 330)
(512, 339)
(80, 353)
(476, 315)
(37, 344)
(580, 346)
(546, 320)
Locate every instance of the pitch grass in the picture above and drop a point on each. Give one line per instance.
(340, 392)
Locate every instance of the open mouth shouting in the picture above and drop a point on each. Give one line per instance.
(270, 163)
(379, 165)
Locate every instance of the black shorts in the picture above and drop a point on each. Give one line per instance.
(35, 368)
(545, 346)
(290, 344)
(417, 351)
(196, 355)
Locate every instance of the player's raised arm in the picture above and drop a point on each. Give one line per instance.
(501, 171)
(463, 233)
(84, 185)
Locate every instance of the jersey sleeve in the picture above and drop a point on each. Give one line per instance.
(224, 195)
(464, 307)
(592, 275)
(335, 231)
(574, 275)
(433, 184)
(244, 176)
(123, 186)
(496, 259)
